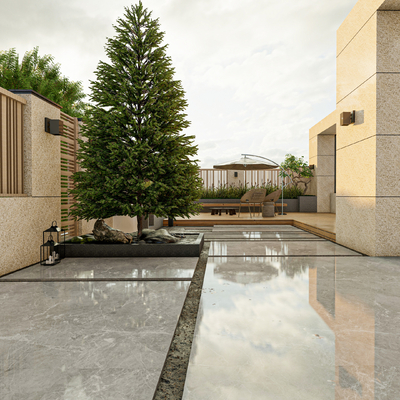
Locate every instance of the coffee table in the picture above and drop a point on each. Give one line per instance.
(218, 210)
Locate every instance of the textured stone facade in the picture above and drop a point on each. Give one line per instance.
(368, 150)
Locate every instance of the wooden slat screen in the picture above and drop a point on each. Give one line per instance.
(218, 177)
(11, 145)
(68, 146)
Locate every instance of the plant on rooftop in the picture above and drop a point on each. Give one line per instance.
(297, 169)
(42, 75)
(236, 192)
(135, 159)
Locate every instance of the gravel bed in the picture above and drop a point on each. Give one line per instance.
(172, 379)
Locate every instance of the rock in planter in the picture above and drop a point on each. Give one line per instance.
(157, 236)
(104, 233)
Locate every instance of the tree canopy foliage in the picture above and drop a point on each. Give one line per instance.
(297, 169)
(134, 157)
(41, 74)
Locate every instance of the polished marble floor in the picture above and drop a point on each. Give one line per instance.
(89, 340)
(305, 323)
(111, 268)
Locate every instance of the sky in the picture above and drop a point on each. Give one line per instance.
(258, 74)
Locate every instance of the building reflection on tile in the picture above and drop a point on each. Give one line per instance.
(299, 328)
(85, 340)
(140, 267)
(279, 248)
(256, 228)
(254, 235)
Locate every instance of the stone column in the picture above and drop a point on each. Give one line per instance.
(368, 151)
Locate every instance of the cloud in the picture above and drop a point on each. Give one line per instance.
(257, 75)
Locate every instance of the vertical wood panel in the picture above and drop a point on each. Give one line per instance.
(11, 146)
(3, 130)
(69, 147)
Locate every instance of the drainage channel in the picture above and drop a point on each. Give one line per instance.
(172, 379)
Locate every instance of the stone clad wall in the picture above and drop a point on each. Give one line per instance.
(368, 151)
(23, 219)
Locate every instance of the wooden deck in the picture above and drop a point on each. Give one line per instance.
(321, 224)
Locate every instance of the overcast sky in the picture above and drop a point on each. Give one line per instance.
(257, 73)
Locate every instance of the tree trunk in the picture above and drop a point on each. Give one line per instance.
(139, 225)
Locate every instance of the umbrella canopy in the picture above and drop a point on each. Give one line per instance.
(246, 163)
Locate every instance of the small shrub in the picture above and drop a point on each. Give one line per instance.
(234, 192)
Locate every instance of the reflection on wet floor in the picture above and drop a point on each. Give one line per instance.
(260, 235)
(303, 328)
(84, 268)
(85, 340)
(279, 248)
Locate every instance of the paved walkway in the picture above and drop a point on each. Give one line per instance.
(286, 315)
(75, 331)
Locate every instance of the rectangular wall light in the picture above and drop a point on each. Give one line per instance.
(53, 126)
(347, 118)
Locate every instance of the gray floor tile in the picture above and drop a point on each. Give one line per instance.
(157, 267)
(279, 248)
(267, 235)
(304, 328)
(85, 340)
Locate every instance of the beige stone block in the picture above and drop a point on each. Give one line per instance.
(388, 41)
(388, 104)
(357, 62)
(313, 187)
(390, 5)
(387, 165)
(356, 169)
(326, 166)
(41, 150)
(363, 101)
(358, 16)
(235, 181)
(125, 223)
(387, 222)
(326, 126)
(355, 223)
(326, 145)
(325, 186)
(21, 229)
(312, 148)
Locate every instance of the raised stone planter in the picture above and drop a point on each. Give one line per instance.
(292, 205)
(191, 249)
(308, 204)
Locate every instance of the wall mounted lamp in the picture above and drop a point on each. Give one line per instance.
(347, 118)
(53, 126)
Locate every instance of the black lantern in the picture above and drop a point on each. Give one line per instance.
(53, 248)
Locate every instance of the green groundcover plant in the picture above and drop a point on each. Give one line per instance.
(233, 192)
(135, 159)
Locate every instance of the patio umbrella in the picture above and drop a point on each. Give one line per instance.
(247, 163)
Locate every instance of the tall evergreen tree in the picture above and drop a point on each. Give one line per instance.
(41, 74)
(135, 159)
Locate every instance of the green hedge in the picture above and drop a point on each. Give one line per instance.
(233, 192)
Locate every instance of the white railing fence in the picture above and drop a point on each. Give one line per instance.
(217, 178)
